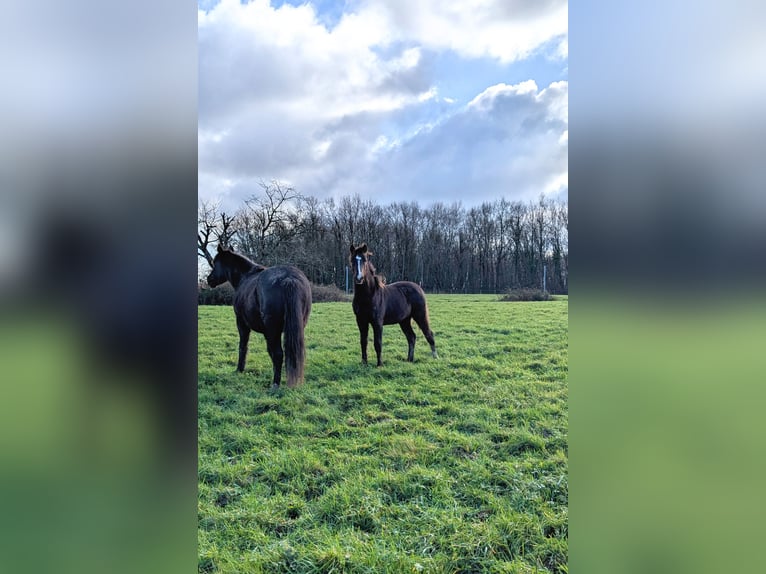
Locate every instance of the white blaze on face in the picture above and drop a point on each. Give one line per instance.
(358, 267)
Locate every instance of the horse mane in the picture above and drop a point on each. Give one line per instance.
(380, 280)
(240, 258)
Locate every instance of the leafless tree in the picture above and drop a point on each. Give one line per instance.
(486, 248)
(501, 239)
(212, 227)
(267, 220)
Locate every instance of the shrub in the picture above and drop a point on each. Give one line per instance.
(525, 295)
(221, 295)
(327, 294)
(224, 294)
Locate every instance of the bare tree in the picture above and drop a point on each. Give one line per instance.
(559, 224)
(486, 248)
(540, 226)
(517, 221)
(501, 239)
(213, 227)
(311, 247)
(267, 220)
(227, 228)
(206, 227)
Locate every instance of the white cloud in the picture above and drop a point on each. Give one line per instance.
(486, 99)
(508, 30)
(285, 60)
(507, 141)
(336, 110)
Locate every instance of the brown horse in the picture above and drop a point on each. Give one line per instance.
(267, 300)
(378, 304)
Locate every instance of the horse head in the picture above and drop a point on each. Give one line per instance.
(359, 259)
(221, 262)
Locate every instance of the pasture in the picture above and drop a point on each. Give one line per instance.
(456, 464)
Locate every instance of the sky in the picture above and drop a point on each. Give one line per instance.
(395, 100)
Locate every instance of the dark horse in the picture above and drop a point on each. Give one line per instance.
(379, 304)
(267, 300)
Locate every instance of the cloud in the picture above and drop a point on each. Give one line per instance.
(507, 30)
(509, 140)
(354, 107)
(285, 60)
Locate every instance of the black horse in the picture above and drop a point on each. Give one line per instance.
(267, 300)
(379, 304)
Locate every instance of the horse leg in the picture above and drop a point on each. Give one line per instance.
(244, 337)
(429, 335)
(410, 334)
(364, 329)
(274, 346)
(377, 340)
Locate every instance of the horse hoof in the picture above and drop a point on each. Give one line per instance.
(275, 387)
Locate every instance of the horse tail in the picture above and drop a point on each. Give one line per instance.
(424, 322)
(295, 348)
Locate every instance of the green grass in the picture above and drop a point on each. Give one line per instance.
(457, 464)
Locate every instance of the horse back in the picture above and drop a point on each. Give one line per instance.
(272, 295)
(403, 299)
(260, 298)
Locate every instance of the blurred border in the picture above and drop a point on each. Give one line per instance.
(98, 335)
(666, 303)
(98, 194)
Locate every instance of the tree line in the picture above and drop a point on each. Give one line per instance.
(446, 248)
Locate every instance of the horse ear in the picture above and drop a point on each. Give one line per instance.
(352, 248)
(363, 247)
(220, 248)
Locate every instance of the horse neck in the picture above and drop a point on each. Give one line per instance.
(238, 268)
(367, 288)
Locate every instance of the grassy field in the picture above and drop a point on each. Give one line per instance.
(457, 464)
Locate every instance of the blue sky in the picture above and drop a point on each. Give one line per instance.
(429, 100)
